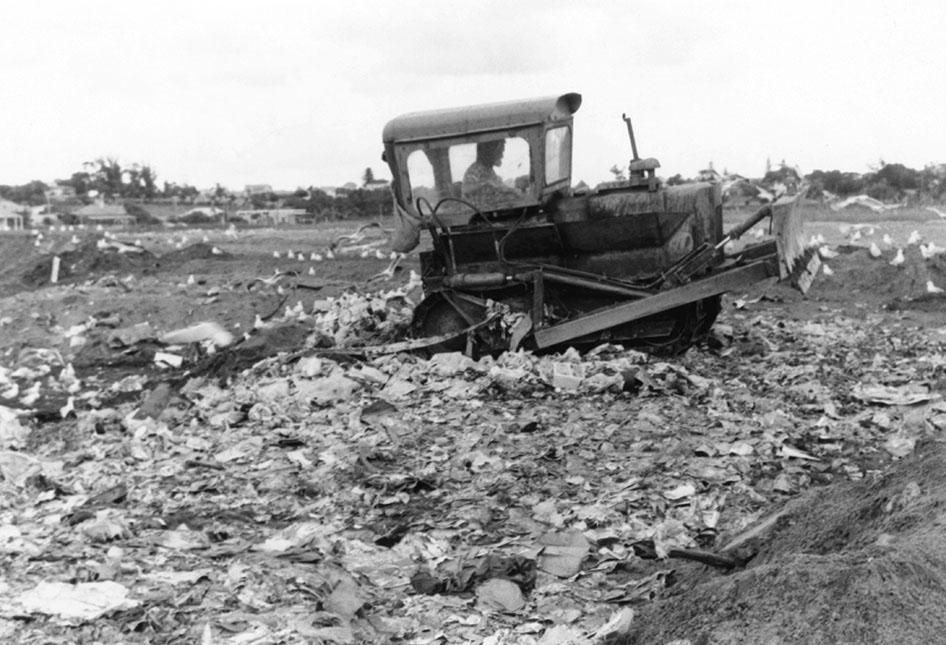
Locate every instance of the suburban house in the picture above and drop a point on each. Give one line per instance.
(11, 215)
(104, 214)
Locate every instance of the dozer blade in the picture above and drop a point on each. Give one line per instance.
(797, 264)
(728, 280)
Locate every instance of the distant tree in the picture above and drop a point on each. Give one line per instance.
(148, 181)
(784, 174)
(898, 176)
(180, 191)
(676, 180)
(32, 193)
(106, 174)
(80, 182)
(837, 182)
(368, 177)
(617, 172)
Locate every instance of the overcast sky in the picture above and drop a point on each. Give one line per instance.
(297, 93)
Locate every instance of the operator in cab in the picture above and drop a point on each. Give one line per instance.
(482, 187)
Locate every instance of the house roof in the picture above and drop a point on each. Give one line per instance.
(8, 208)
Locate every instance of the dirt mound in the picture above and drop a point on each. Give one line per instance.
(852, 563)
(88, 261)
(855, 273)
(198, 251)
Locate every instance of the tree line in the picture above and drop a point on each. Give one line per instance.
(138, 183)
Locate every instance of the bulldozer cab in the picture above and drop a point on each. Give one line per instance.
(489, 158)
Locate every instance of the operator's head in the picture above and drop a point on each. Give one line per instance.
(491, 152)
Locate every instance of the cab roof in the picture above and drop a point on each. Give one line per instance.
(434, 124)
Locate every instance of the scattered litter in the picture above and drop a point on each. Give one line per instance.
(894, 395)
(201, 332)
(80, 602)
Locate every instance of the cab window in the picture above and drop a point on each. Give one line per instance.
(557, 155)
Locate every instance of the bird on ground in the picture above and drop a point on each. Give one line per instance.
(68, 408)
(312, 256)
(311, 270)
(932, 288)
(216, 251)
(914, 238)
(856, 235)
(74, 240)
(191, 280)
(276, 254)
(827, 270)
(300, 257)
(887, 239)
(826, 252)
(874, 250)
(206, 240)
(930, 250)
(330, 255)
(898, 259)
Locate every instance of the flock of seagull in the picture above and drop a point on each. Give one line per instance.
(857, 232)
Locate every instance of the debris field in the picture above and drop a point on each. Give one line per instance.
(219, 447)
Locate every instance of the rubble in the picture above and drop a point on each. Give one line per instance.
(292, 486)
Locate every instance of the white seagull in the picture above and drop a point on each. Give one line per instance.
(826, 252)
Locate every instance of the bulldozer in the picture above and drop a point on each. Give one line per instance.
(520, 258)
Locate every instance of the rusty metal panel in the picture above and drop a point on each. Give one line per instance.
(478, 118)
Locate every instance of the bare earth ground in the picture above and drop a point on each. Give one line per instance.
(404, 500)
